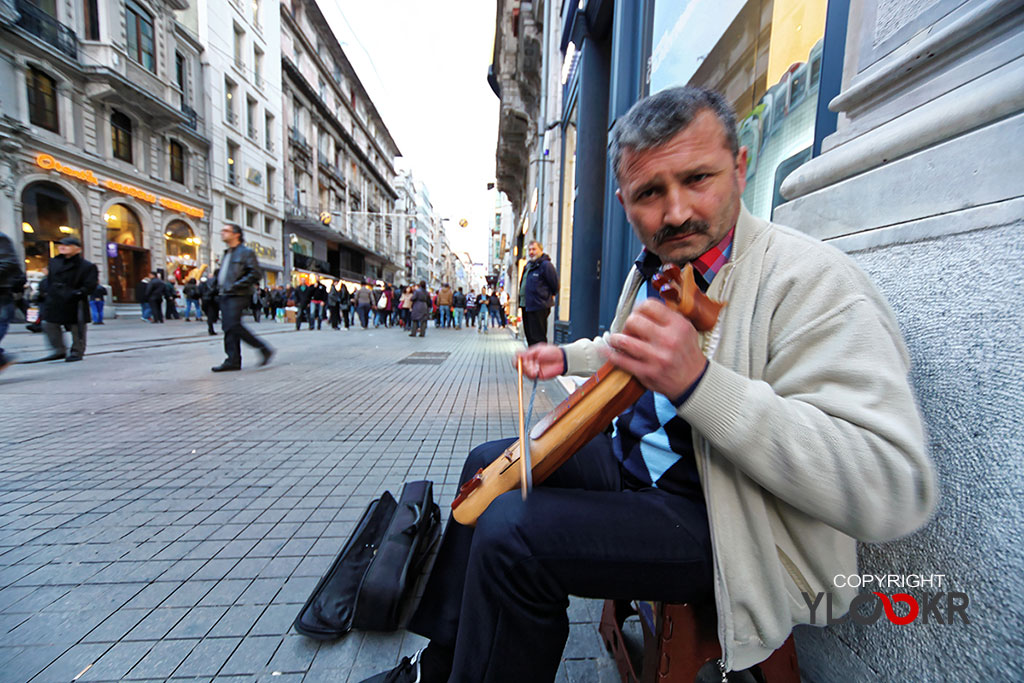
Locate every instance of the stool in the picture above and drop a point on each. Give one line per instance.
(680, 642)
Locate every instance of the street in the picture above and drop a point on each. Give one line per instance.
(160, 521)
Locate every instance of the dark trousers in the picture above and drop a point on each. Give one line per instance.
(211, 309)
(231, 309)
(535, 326)
(6, 316)
(364, 315)
(419, 326)
(156, 309)
(55, 335)
(335, 315)
(346, 316)
(498, 593)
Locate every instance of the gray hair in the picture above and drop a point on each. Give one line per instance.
(655, 120)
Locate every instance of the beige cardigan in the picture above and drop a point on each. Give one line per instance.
(805, 430)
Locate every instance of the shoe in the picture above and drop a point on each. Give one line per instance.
(72, 359)
(99, 323)
(224, 367)
(6, 362)
(52, 356)
(213, 334)
(407, 671)
(267, 353)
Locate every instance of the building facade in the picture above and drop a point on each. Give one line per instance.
(99, 139)
(243, 104)
(339, 178)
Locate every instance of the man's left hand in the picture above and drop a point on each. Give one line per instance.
(660, 348)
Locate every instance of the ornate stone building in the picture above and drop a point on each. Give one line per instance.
(100, 138)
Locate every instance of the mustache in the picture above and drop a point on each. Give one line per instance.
(669, 231)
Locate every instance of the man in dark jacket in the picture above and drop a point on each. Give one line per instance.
(155, 291)
(12, 282)
(209, 295)
(420, 310)
(303, 296)
(191, 293)
(70, 282)
(141, 296)
(536, 293)
(237, 278)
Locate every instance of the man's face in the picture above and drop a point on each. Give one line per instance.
(682, 198)
(68, 249)
(533, 251)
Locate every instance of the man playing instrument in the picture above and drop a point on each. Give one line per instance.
(760, 453)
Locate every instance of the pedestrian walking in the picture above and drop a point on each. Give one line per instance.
(192, 300)
(483, 314)
(537, 293)
(70, 281)
(471, 308)
(12, 284)
(239, 272)
(303, 296)
(458, 308)
(257, 307)
(142, 296)
(318, 300)
(334, 306)
(96, 299)
(503, 310)
(155, 291)
(405, 308)
(420, 312)
(444, 305)
(363, 298)
(345, 305)
(494, 308)
(209, 297)
(170, 297)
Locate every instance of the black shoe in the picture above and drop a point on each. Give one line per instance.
(224, 367)
(407, 671)
(6, 362)
(268, 353)
(72, 359)
(212, 333)
(99, 323)
(52, 356)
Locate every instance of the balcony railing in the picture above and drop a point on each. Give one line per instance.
(192, 115)
(232, 176)
(270, 145)
(253, 133)
(43, 26)
(259, 81)
(231, 117)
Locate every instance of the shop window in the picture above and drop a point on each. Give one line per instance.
(182, 248)
(121, 136)
(176, 155)
(42, 100)
(48, 215)
(140, 35)
(123, 226)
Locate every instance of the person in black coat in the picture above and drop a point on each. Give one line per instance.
(192, 300)
(303, 295)
(237, 278)
(12, 284)
(155, 291)
(537, 293)
(170, 297)
(209, 295)
(70, 281)
(420, 310)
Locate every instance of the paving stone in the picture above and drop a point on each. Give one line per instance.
(252, 655)
(161, 661)
(115, 663)
(207, 657)
(197, 622)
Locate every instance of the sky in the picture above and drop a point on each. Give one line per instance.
(424, 65)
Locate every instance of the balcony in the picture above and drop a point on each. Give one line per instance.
(46, 28)
(231, 117)
(269, 145)
(259, 81)
(254, 134)
(232, 176)
(192, 115)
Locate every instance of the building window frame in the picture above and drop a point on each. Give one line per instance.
(42, 100)
(121, 136)
(176, 161)
(140, 36)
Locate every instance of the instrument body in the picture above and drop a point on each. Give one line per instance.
(584, 414)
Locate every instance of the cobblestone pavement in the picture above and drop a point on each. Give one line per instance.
(158, 521)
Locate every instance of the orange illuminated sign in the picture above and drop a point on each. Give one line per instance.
(47, 162)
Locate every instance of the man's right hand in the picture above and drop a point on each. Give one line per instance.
(542, 361)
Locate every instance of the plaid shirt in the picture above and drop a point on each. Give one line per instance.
(651, 441)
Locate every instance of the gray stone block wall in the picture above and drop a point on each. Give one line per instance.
(958, 301)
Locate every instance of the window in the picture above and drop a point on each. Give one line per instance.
(121, 136)
(179, 76)
(268, 225)
(91, 19)
(270, 184)
(230, 90)
(42, 100)
(140, 35)
(230, 209)
(176, 155)
(239, 48)
(268, 128)
(232, 156)
(257, 66)
(250, 219)
(256, 12)
(250, 118)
